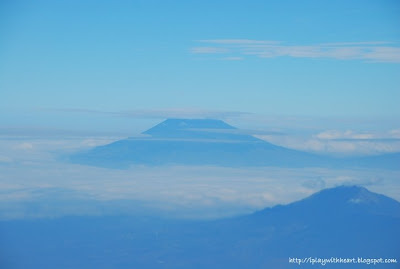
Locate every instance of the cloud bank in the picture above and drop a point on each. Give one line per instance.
(34, 183)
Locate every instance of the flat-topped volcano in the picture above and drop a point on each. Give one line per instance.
(209, 142)
(193, 142)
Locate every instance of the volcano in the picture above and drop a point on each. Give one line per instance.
(213, 142)
(195, 142)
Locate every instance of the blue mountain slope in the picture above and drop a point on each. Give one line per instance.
(212, 142)
(195, 142)
(343, 222)
(193, 128)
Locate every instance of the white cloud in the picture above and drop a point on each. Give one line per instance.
(98, 141)
(335, 134)
(356, 135)
(24, 146)
(5, 159)
(395, 133)
(373, 51)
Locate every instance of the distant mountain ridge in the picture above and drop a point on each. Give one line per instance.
(212, 142)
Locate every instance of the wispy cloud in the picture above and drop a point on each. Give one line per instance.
(159, 113)
(233, 58)
(336, 134)
(209, 50)
(370, 51)
(182, 113)
(354, 135)
(240, 41)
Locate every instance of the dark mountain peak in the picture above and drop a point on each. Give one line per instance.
(173, 125)
(347, 195)
(344, 199)
(343, 192)
(351, 199)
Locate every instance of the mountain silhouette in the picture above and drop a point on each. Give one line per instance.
(212, 142)
(342, 222)
(194, 142)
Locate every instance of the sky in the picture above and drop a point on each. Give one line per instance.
(63, 60)
(320, 76)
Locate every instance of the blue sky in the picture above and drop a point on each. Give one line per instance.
(63, 60)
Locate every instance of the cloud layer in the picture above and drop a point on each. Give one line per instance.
(376, 51)
(34, 182)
